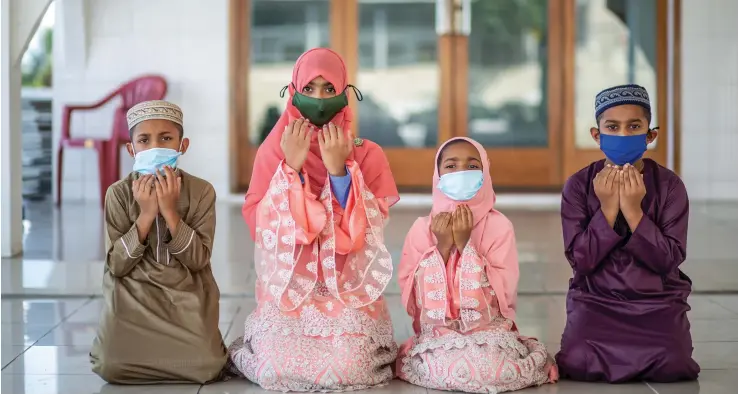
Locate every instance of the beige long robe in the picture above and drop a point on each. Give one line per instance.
(159, 322)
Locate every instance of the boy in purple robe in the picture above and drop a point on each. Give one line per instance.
(624, 222)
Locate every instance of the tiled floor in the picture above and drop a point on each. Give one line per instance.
(50, 301)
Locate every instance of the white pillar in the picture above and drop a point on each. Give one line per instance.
(12, 199)
(18, 22)
(26, 16)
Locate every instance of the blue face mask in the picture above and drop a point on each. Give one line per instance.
(623, 149)
(461, 185)
(148, 161)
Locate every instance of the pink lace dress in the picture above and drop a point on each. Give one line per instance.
(462, 342)
(321, 323)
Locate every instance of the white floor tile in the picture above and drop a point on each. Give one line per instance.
(62, 328)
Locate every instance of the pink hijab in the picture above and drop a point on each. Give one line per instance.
(483, 202)
(317, 62)
(492, 235)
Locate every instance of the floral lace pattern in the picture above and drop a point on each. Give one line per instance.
(289, 261)
(482, 362)
(474, 290)
(321, 323)
(315, 352)
(466, 344)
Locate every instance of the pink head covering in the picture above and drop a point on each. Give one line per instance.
(492, 236)
(319, 62)
(369, 156)
(482, 203)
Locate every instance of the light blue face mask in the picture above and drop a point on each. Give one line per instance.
(150, 160)
(461, 185)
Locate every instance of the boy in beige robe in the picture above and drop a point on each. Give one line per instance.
(159, 322)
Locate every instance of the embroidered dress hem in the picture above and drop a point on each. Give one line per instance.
(493, 361)
(284, 353)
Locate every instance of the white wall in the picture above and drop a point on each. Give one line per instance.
(187, 41)
(710, 98)
(100, 44)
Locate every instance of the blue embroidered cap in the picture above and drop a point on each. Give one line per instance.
(622, 95)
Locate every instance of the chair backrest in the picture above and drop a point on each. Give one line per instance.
(149, 87)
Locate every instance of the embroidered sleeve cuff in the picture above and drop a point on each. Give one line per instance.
(133, 248)
(182, 240)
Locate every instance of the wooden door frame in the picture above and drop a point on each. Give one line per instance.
(676, 59)
(510, 167)
(576, 158)
(242, 151)
(416, 163)
(452, 112)
(533, 169)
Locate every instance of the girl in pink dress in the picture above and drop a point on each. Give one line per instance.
(316, 207)
(459, 278)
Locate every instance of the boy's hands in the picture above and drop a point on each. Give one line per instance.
(144, 193)
(632, 190)
(157, 194)
(167, 194)
(607, 190)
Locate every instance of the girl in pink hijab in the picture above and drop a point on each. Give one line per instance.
(316, 207)
(459, 279)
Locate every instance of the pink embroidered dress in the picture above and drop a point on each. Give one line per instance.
(321, 323)
(464, 310)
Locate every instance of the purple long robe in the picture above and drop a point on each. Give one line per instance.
(627, 302)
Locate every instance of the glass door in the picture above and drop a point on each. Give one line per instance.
(519, 76)
(434, 69)
(613, 42)
(404, 73)
(510, 68)
(266, 38)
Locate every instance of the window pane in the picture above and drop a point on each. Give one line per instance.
(615, 44)
(398, 73)
(281, 30)
(507, 73)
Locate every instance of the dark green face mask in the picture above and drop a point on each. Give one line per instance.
(320, 111)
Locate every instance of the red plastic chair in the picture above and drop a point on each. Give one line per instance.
(149, 87)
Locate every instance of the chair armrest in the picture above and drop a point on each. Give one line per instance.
(98, 104)
(67, 112)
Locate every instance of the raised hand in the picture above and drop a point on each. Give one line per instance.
(168, 186)
(463, 222)
(295, 143)
(632, 190)
(442, 228)
(607, 190)
(144, 193)
(335, 148)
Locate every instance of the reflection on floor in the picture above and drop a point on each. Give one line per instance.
(50, 302)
